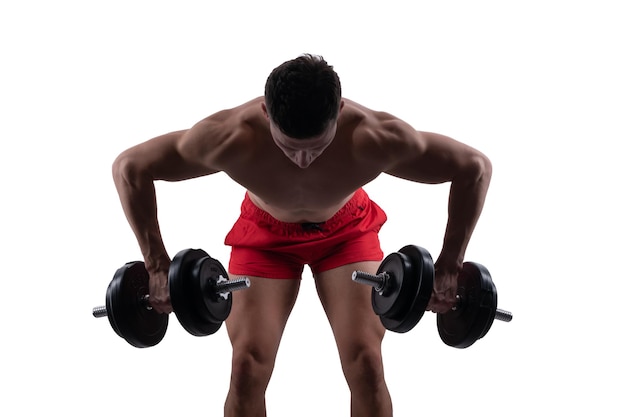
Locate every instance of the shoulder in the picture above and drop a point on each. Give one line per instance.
(228, 123)
(394, 147)
(380, 134)
(226, 133)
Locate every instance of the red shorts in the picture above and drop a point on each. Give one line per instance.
(263, 246)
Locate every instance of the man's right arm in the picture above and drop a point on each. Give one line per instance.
(134, 173)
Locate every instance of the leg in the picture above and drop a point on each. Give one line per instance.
(255, 327)
(359, 334)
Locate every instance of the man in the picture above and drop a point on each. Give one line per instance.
(303, 153)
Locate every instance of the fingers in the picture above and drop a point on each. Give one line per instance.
(441, 302)
(443, 298)
(163, 306)
(159, 293)
(160, 300)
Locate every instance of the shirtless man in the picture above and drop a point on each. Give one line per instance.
(303, 153)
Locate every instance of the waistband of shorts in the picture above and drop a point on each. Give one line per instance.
(359, 201)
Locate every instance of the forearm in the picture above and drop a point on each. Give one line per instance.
(467, 197)
(138, 198)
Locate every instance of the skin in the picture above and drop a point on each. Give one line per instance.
(304, 180)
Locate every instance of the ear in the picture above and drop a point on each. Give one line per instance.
(264, 107)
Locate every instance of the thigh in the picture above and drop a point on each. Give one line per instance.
(348, 306)
(259, 315)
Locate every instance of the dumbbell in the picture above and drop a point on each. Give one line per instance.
(199, 292)
(402, 288)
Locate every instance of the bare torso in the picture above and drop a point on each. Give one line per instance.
(242, 143)
(280, 187)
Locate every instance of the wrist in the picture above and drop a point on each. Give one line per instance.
(159, 263)
(449, 263)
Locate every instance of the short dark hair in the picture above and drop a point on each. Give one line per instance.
(303, 96)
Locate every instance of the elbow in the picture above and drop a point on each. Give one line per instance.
(485, 168)
(119, 168)
(125, 169)
(480, 169)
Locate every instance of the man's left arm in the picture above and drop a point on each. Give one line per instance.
(433, 158)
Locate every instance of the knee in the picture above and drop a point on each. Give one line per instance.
(251, 372)
(363, 367)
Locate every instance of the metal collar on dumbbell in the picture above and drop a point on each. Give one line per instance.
(379, 281)
(224, 286)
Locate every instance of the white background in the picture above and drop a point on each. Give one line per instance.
(538, 86)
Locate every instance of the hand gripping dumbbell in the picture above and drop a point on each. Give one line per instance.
(199, 292)
(402, 288)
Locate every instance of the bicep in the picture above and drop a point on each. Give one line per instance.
(434, 158)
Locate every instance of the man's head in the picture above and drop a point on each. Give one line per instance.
(303, 97)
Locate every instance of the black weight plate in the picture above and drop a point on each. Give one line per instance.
(126, 310)
(472, 319)
(423, 277)
(211, 306)
(400, 287)
(184, 290)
